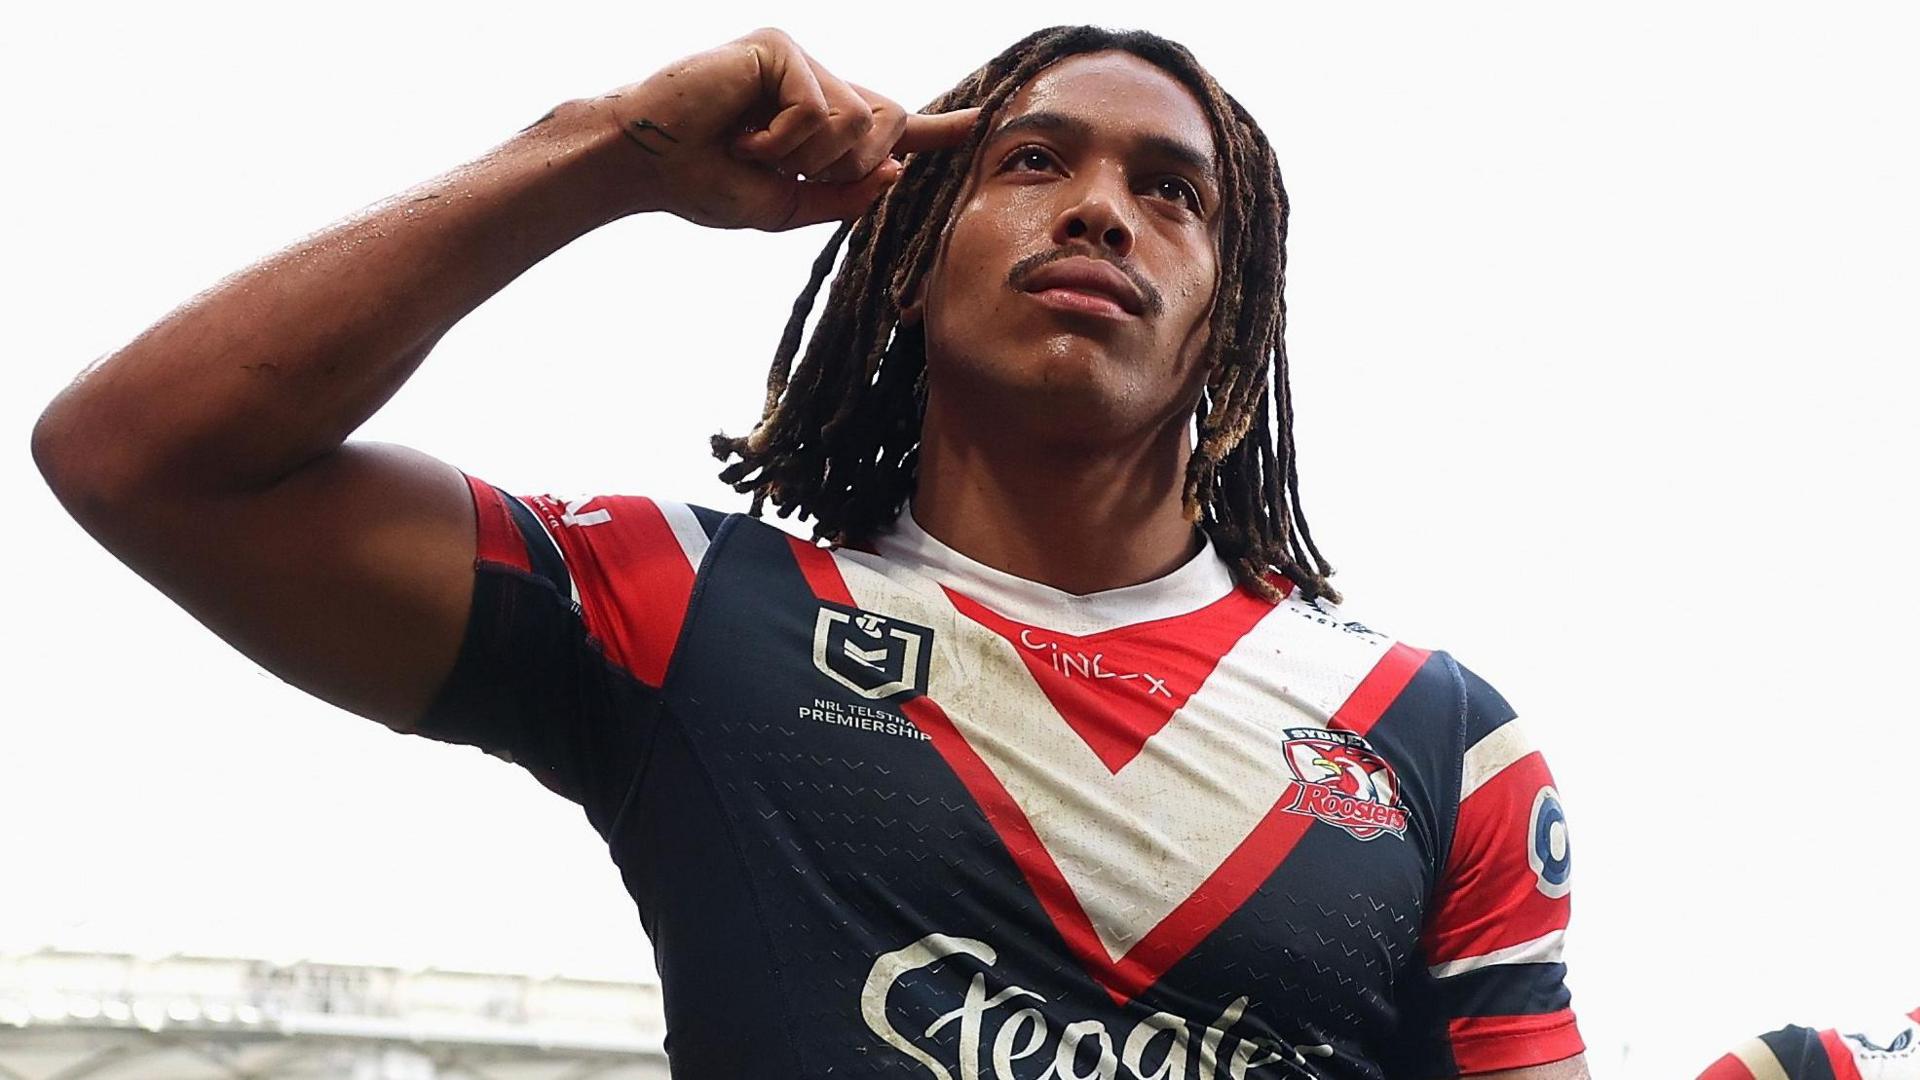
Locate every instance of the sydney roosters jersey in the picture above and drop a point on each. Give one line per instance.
(894, 813)
(1885, 1050)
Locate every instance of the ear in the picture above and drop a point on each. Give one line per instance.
(912, 310)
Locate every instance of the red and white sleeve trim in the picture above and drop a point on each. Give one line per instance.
(1491, 1043)
(1545, 949)
(1491, 756)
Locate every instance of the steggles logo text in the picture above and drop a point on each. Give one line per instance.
(1083, 1050)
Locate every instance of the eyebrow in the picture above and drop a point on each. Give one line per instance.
(1074, 127)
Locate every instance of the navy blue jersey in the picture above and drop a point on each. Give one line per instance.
(895, 813)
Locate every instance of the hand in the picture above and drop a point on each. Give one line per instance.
(756, 134)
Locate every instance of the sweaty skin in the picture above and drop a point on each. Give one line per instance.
(1055, 442)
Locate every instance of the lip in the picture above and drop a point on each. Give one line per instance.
(1078, 283)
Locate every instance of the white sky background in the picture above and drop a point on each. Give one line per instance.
(1601, 322)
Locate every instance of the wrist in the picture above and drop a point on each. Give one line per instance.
(580, 145)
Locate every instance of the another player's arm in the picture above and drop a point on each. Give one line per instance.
(209, 453)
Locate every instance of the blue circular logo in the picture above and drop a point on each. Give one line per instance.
(1547, 850)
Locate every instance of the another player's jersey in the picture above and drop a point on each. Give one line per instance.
(896, 813)
(1888, 1050)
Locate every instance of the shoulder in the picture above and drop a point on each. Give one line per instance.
(629, 565)
(1432, 709)
(1308, 631)
(1405, 684)
(1447, 690)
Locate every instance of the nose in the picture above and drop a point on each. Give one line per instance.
(1095, 215)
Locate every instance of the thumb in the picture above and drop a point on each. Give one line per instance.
(842, 202)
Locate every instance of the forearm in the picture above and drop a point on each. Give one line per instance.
(277, 364)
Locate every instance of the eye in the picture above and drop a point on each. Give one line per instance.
(1175, 188)
(1026, 155)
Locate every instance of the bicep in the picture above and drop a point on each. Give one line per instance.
(350, 578)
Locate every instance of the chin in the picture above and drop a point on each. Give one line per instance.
(1042, 359)
(1066, 394)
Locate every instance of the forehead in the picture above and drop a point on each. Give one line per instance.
(1115, 93)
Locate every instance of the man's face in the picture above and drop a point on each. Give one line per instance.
(1101, 164)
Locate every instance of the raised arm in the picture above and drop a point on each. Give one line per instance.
(209, 453)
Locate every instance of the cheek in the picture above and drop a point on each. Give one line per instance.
(1192, 297)
(969, 286)
(979, 236)
(965, 256)
(1190, 306)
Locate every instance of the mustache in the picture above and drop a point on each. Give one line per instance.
(1150, 297)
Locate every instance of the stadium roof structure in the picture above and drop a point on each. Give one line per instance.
(109, 1016)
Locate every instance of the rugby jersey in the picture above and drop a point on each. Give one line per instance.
(896, 813)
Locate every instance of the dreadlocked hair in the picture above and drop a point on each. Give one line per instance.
(838, 439)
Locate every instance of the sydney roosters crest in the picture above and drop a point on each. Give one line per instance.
(1342, 781)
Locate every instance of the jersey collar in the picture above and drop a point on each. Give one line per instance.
(1202, 580)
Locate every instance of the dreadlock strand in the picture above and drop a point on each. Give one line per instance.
(797, 321)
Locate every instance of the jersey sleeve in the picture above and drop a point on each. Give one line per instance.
(577, 604)
(1791, 1052)
(1886, 1050)
(1493, 937)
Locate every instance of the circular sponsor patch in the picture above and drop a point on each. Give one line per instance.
(1547, 850)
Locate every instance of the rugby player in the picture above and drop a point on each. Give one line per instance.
(1053, 756)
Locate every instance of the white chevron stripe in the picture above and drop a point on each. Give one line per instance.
(1132, 845)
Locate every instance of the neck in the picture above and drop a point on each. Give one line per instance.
(1080, 519)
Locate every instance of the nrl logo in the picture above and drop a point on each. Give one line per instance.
(1343, 782)
(871, 655)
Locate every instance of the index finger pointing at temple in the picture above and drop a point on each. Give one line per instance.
(936, 131)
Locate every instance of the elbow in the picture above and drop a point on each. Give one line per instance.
(53, 447)
(74, 459)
